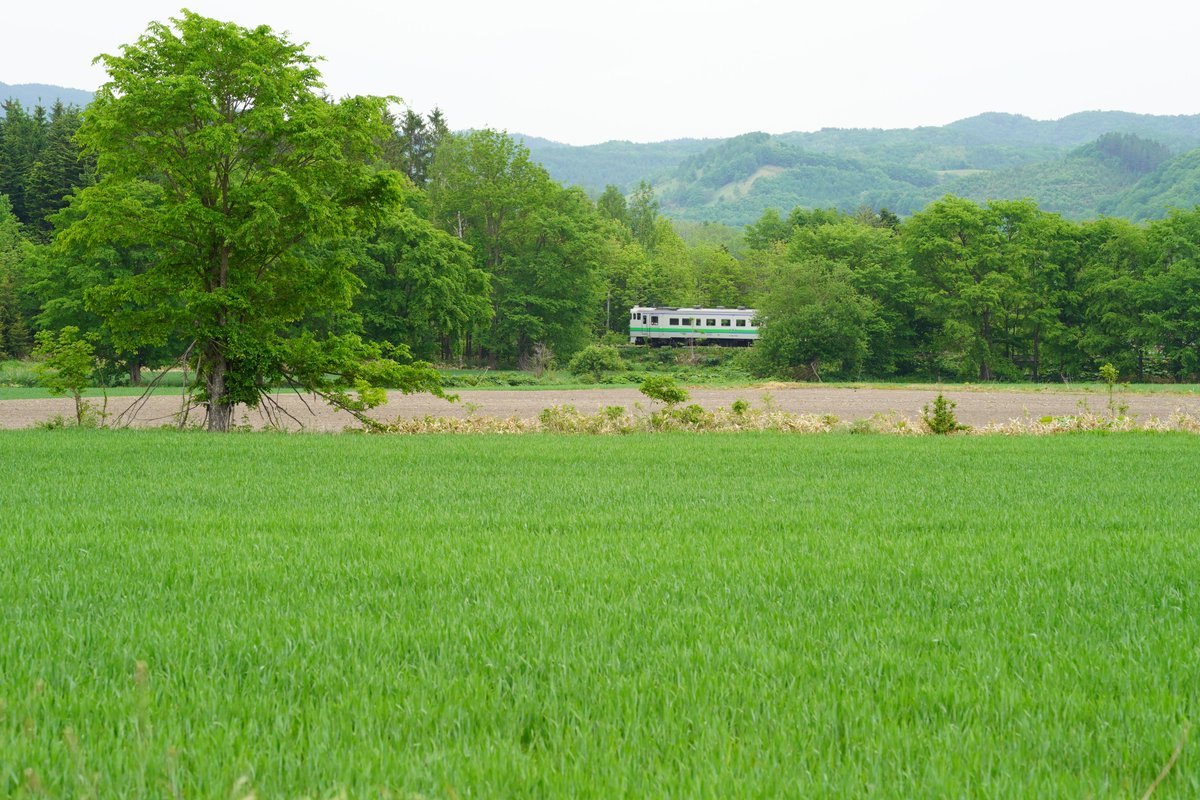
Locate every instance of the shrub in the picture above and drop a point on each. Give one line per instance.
(861, 426)
(68, 361)
(690, 415)
(940, 418)
(663, 389)
(1108, 374)
(595, 360)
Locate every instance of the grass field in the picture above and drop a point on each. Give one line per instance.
(671, 615)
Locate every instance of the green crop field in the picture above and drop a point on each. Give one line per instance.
(722, 615)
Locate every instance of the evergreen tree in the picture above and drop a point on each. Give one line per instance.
(414, 140)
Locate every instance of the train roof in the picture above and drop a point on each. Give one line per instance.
(698, 310)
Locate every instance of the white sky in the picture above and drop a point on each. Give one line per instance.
(648, 70)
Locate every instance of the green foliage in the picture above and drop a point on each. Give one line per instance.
(995, 280)
(595, 360)
(40, 162)
(814, 324)
(611, 205)
(542, 246)
(1108, 374)
(768, 230)
(220, 154)
(712, 235)
(18, 374)
(15, 341)
(663, 389)
(1170, 293)
(1079, 185)
(514, 269)
(413, 142)
(940, 418)
(66, 365)
(643, 217)
(420, 287)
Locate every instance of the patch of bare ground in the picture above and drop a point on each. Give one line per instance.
(976, 406)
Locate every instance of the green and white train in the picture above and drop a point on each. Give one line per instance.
(665, 325)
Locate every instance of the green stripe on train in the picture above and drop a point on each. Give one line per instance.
(719, 331)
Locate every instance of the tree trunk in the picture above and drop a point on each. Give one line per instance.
(220, 412)
(985, 333)
(1037, 354)
(135, 373)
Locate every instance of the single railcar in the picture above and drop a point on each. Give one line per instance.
(660, 325)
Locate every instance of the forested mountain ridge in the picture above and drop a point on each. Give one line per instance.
(1087, 182)
(1079, 128)
(1081, 166)
(1174, 184)
(621, 163)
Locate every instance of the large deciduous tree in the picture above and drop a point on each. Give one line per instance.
(814, 322)
(541, 245)
(218, 150)
(420, 288)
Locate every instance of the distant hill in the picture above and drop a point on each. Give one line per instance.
(35, 94)
(1077, 129)
(1175, 184)
(737, 180)
(620, 163)
(1082, 166)
(1081, 185)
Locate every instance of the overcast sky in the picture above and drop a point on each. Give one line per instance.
(647, 70)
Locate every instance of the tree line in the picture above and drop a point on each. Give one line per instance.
(978, 292)
(246, 226)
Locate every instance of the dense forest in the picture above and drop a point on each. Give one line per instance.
(479, 256)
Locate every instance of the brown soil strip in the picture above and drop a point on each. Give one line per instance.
(975, 407)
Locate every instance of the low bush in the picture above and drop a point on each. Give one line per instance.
(595, 360)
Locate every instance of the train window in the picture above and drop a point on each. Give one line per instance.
(741, 323)
(654, 320)
(674, 320)
(687, 321)
(725, 323)
(712, 323)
